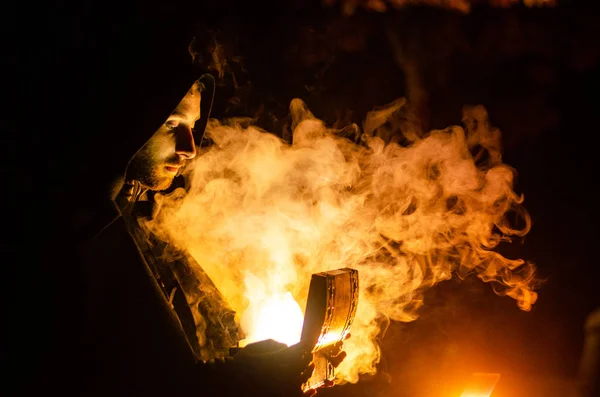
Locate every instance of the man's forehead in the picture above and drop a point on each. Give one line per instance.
(196, 88)
(189, 105)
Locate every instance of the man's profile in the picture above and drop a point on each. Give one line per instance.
(153, 326)
(128, 324)
(166, 152)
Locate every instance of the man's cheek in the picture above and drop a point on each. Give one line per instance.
(161, 172)
(165, 146)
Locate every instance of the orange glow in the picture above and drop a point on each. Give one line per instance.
(261, 215)
(274, 315)
(481, 385)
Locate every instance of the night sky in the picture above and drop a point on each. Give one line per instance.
(535, 70)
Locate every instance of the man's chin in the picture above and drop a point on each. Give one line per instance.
(158, 183)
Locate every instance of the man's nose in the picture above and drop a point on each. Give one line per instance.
(185, 146)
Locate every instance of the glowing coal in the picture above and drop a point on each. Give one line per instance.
(261, 216)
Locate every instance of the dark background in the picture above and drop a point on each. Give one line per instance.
(535, 70)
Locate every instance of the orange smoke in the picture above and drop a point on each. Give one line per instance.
(261, 216)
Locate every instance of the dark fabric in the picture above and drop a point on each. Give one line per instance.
(110, 75)
(126, 71)
(111, 327)
(136, 67)
(206, 318)
(208, 321)
(132, 343)
(152, 252)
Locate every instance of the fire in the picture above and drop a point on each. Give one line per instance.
(274, 315)
(261, 215)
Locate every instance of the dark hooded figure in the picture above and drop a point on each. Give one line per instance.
(137, 305)
(154, 324)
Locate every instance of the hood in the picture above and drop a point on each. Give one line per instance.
(139, 77)
(127, 193)
(135, 71)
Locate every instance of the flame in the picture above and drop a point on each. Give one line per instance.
(275, 315)
(262, 215)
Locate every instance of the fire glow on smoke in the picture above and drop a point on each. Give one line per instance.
(261, 216)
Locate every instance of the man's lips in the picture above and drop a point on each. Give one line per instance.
(173, 168)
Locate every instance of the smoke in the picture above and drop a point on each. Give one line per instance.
(405, 215)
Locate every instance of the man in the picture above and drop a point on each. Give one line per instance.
(140, 334)
(135, 315)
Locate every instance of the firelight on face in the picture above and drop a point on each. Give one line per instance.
(166, 152)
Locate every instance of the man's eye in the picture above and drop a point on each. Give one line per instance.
(171, 125)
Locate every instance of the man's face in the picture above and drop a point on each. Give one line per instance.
(160, 159)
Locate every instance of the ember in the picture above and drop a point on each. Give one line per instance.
(262, 215)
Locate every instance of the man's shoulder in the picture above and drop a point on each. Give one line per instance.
(110, 240)
(113, 255)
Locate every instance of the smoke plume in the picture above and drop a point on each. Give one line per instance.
(406, 214)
